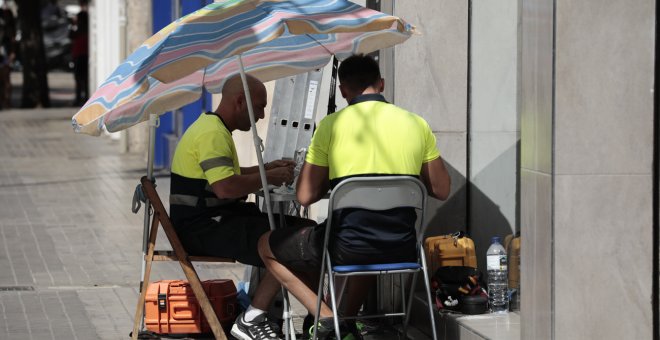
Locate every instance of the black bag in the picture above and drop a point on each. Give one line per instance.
(452, 284)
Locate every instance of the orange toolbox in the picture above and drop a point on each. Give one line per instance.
(171, 306)
(449, 250)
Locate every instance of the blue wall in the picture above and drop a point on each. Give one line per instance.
(162, 16)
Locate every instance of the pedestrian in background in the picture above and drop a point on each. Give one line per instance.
(7, 53)
(80, 54)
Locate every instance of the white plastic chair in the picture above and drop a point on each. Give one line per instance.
(377, 193)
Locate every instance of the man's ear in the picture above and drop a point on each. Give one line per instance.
(239, 101)
(343, 91)
(381, 85)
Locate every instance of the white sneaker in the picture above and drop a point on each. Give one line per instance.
(258, 329)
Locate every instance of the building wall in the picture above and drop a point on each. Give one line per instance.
(106, 46)
(493, 122)
(575, 79)
(461, 75)
(536, 169)
(603, 167)
(586, 177)
(138, 29)
(430, 71)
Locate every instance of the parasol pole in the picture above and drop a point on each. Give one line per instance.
(153, 124)
(257, 145)
(262, 173)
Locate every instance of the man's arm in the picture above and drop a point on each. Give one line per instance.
(436, 178)
(250, 170)
(268, 166)
(313, 183)
(236, 186)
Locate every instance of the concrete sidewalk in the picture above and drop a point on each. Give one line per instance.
(70, 247)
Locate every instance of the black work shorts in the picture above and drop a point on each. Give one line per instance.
(234, 235)
(299, 249)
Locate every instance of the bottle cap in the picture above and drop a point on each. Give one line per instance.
(495, 239)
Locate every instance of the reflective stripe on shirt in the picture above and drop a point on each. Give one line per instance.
(216, 162)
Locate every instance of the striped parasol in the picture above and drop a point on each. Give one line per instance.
(275, 39)
(226, 29)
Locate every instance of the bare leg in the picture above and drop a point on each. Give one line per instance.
(289, 280)
(266, 291)
(358, 287)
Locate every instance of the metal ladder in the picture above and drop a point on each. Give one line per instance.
(290, 129)
(292, 115)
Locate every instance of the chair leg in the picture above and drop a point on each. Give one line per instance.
(429, 301)
(319, 295)
(404, 304)
(288, 320)
(331, 288)
(408, 306)
(139, 310)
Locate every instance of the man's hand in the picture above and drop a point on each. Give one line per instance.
(277, 172)
(280, 171)
(280, 163)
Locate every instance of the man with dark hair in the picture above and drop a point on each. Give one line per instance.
(208, 188)
(369, 137)
(358, 73)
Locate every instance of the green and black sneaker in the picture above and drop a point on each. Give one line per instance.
(325, 330)
(308, 321)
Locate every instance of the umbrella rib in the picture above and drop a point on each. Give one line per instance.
(318, 42)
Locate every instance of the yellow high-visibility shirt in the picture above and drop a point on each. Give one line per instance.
(206, 151)
(372, 137)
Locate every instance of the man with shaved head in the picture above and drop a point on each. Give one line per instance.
(208, 191)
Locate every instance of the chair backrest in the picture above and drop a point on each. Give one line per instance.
(150, 192)
(380, 193)
(161, 215)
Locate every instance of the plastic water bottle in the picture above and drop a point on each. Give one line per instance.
(496, 265)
